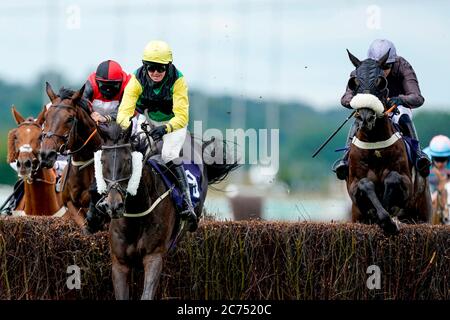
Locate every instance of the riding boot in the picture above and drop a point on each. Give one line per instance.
(187, 210)
(422, 162)
(340, 167)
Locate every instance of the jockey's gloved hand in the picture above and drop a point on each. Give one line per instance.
(158, 132)
(395, 101)
(144, 126)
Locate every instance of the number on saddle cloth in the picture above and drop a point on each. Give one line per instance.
(194, 177)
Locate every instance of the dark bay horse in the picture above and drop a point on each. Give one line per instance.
(69, 127)
(382, 182)
(40, 196)
(144, 217)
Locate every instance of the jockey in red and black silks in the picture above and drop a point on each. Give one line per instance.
(104, 89)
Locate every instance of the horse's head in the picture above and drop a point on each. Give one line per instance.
(369, 85)
(24, 143)
(61, 122)
(118, 168)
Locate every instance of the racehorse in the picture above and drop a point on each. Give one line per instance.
(144, 220)
(68, 126)
(39, 194)
(382, 182)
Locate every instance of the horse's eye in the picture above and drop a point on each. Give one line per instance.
(69, 120)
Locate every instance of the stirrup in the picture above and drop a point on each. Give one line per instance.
(191, 218)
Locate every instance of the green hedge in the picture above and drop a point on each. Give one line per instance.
(234, 260)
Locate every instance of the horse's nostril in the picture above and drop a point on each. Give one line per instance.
(18, 164)
(27, 163)
(120, 206)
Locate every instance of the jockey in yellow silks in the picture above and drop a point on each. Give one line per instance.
(161, 89)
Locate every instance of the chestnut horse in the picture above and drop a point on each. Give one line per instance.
(143, 214)
(68, 126)
(40, 197)
(382, 183)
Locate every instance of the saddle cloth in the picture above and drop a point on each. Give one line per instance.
(194, 179)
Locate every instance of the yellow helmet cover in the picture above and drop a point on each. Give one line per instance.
(157, 51)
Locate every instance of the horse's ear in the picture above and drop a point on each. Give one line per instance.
(355, 61)
(127, 132)
(16, 115)
(51, 94)
(77, 95)
(384, 58)
(12, 152)
(102, 130)
(41, 117)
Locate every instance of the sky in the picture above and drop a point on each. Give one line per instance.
(282, 49)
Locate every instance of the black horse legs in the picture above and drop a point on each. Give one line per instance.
(364, 194)
(395, 192)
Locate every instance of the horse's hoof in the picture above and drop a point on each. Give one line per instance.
(390, 227)
(86, 231)
(192, 225)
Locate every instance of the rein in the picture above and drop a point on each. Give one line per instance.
(66, 136)
(114, 182)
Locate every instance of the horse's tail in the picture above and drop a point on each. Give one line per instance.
(217, 169)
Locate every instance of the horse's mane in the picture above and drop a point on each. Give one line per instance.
(66, 93)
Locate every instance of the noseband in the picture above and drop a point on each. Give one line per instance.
(114, 182)
(28, 149)
(65, 138)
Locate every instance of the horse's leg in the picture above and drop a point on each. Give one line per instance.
(152, 267)
(421, 206)
(75, 215)
(366, 190)
(120, 273)
(396, 192)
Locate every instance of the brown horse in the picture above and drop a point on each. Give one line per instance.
(143, 215)
(382, 182)
(40, 196)
(68, 127)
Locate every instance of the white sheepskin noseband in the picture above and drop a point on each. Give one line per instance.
(133, 183)
(367, 100)
(101, 183)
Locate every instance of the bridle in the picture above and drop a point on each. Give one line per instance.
(114, 182)
(35, 159)
(66, 137)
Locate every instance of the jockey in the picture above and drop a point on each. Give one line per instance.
(159, 87)
(104, 89)
(439, 151)
(404, 92)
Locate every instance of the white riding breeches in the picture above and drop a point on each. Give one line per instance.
(403, 110)
(172, 142)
